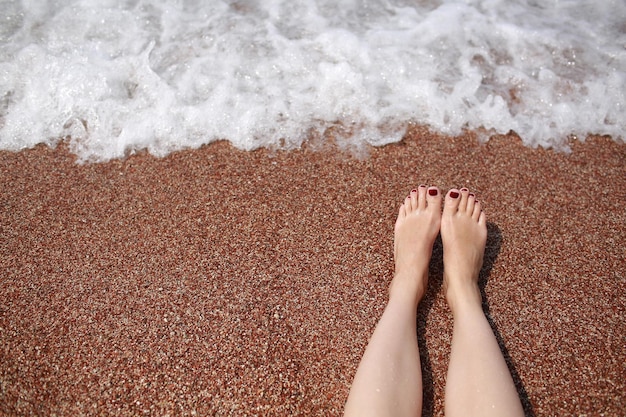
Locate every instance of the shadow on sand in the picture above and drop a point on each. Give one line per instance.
(492, 249)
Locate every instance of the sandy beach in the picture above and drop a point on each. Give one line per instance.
(222, 282)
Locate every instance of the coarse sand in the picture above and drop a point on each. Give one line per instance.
(222, 282)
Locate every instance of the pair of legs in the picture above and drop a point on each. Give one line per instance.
(388, 381)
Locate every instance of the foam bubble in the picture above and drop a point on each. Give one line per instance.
(118, 76)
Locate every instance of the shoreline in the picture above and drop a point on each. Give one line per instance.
(236, 282)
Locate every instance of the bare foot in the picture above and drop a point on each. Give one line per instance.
(415, 231)
(464, 235)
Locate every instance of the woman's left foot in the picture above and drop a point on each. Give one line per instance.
(416, 229)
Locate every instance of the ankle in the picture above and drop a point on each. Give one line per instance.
(463, 297)
(407, 287)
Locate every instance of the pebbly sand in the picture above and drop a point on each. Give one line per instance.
(222, 282)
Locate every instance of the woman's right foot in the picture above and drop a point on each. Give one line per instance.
(464, 235)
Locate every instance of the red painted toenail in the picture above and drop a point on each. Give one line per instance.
(433, 191)
(413, 190)
(464, 189)
(454, 194)
(472, 195)
(422, 186)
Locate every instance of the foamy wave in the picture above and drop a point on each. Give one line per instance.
(119, 76)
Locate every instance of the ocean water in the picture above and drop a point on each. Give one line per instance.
(116, 76)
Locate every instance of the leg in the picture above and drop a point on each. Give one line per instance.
(479, 382)
(388, 380)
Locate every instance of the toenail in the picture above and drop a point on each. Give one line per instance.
(464, 189)
(454, 194)
(472, 195)
(413, 190)
(422, 186)
(433, 191)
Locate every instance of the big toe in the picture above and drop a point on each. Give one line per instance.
(452, 201)
(433, 199)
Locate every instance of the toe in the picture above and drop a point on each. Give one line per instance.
(471, 200)
(414, 199)
(477, 210)
(407, 204)
(402, 210)
(433, 198)
(421, 197)
(451, 204)
(482, 220)
(464, 199)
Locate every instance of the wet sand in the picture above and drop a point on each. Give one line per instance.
(223, 282)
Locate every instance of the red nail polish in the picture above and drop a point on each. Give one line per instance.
(454, 194)
(472, 195)
(422, 186)
(414, 190)
(464, 189)
(433, 191)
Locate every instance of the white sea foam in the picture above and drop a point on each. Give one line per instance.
(117, 76)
